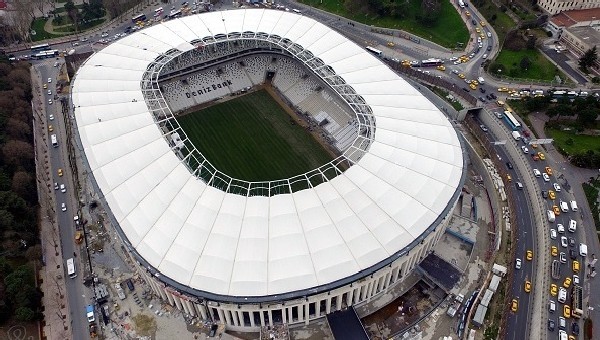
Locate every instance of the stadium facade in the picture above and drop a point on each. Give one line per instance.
(286, 251)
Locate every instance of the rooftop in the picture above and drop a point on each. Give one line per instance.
(570, 18)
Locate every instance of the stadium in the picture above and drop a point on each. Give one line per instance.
(251, 252)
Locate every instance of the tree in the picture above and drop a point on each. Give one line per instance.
(531, 40)
(587, 116)
(589, 58)
(525, 63)
(73, 13)
(17, 152)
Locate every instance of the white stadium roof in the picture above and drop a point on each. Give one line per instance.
(232, 245)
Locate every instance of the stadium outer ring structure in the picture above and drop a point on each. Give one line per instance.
(296, 256)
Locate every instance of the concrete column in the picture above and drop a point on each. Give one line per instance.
(202, 311)
(251, 319)
(227, 317)
(222, 317)
(350, 297)
(162, 293)
(386, 282)
(290, 315)
(234, 318)
(328, 305)
(177, 301)
(301, 312)
(284, 315)
(370, 290)
(306, 312)
(240, 317)
(338, 304)
(262, 318)
(170, 298)
(318, 308)
(270, 318)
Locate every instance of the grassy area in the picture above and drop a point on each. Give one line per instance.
(591, 194)
(501, 22)
(252, 138)
(83, 27)
(40, 33)
(444, 95)
(573, 143)
(447, 31)
(539, 68)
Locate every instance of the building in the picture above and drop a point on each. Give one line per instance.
(557, 6)
(575, 18)
(250, 260)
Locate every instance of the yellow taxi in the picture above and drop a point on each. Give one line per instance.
(508, 177)
(474, 87)
(482, 36)
(50, 128)
(556, 210)
(390, 44)
(467, 13)
(575, 266)
(554, 251)
(514, 305)
(461, 76)
(464, 59)
(60, 172)
(567, 282)
(441, 68)
(474, 82)
(502, 89)
(527, 286)
(567, 311)
(477, 29)
(551, 194)
(529, 256)
(553, 289)
(482, 23)
(45, 86)
(405, 62)
(535, 147)
(541, 154)
(548, 170)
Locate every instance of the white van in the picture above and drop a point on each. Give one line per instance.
(562, 323)
(551, 217)
(481, 80)
(572, 226)
(582, 249)
(562, 335)
(564, 206)
(562, 295)
(574, 205)
(536, 173)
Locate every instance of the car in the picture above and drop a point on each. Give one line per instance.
(60, 172)
(493, 96)
(453, 59)
(553, 289)
(553, 250)
(514, 305)
(556, 187)
(45, 86)
(485, 56)
(546, 177)
(50, 128)
(473, 21)
(467, 13)
(566, 311)
(455, 71)
(441, 68)
(542, 157)
(49, 80)
(518, 263)
(551, 194)
(571, 242)
(575, 328)
(544, 194)
(529, 255)
(563, 241)
(572, 254)
(563, 257)
(575, 266)
(553, 234)
(502, 89)
(466, 89)
(508, 178)
(575, 279)
(525, 149)
(461, 76)
(556, 210)
(471, 55)
(567, 282)
(482, 90)
(551, 306)
(527, 286)
(55, 186)
(560, 228)
(548, 169)
(63, 188)
(519, 185)
(551, 325)
(51, 117)
(535, 157)
(509, 165)
(63, 207)
(473, 86)
(49, 92)
(484, 128)
(49, 101)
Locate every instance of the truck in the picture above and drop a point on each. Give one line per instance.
(120, 291)
(455, 306)
(516, 135)
(89, 313)
(556, 270)
(577, 302)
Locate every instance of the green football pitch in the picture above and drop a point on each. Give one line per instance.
(252, 138)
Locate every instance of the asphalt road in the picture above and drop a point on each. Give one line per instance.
(75, 290)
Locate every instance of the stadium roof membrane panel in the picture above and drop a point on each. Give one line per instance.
(232, 245)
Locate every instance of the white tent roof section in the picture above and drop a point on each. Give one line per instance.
(235, 245)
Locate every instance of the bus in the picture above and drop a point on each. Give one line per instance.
(158, 12)
(175, 14)
(71, 268)
(41, 47)
(374, 51)
(139, 17)
(431, 62)
(558, 94)
(46, 54)
(54, 140)
(577, 302)
(511, 121)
